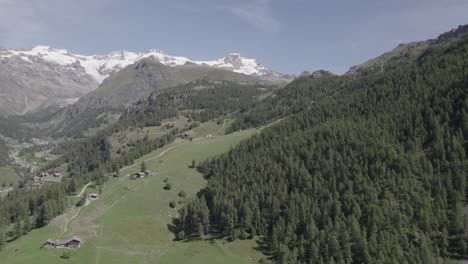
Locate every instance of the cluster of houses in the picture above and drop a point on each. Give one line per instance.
(74, 242)
(145, 173)
(46, 176)
(55, 174)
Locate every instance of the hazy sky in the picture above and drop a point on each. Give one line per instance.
(284, 35)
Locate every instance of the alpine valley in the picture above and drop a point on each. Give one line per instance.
(152, 158)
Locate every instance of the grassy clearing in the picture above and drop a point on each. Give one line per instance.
(7, 176)
(106, 120)
(40, 158)
(217, 251)
(129, 224)
(123, 139)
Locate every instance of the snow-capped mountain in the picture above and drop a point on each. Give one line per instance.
(31, 79)
(101, 66)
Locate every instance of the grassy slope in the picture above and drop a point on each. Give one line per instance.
(7, 175)
(107, 119)
(120, 139)
(129, 223)
(138, 80)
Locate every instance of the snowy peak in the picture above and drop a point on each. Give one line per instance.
(164, 58)
(58, 56)
(100, 67)
(235, 59)
(235, 62)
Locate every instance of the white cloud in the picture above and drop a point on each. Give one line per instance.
(257, 13)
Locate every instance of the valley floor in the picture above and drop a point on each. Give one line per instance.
(129, 223)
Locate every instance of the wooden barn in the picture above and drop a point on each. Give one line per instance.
(74, 242)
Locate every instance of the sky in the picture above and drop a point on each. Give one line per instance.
(289, 36)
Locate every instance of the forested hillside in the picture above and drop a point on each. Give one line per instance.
(367, 167)
(373, 168)
(3, 153)
(298, 96)
(102, 107)
(201, 100)
(27, 210)
(89, 159)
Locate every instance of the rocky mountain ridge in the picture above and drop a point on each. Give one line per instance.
(102, 66)
(39, 77)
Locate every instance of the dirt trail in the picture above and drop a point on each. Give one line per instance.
(82, 190)
(65, 226)
(153, 158)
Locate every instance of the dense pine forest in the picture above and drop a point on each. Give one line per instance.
(298, 96)
(371, 168)
(30, 209)
(201, 100)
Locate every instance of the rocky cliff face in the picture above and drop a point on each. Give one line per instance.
(27, 86)
(453, 34)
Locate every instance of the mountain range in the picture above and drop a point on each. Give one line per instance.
(40, 77)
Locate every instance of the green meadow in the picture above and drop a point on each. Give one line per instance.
(129, 223)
